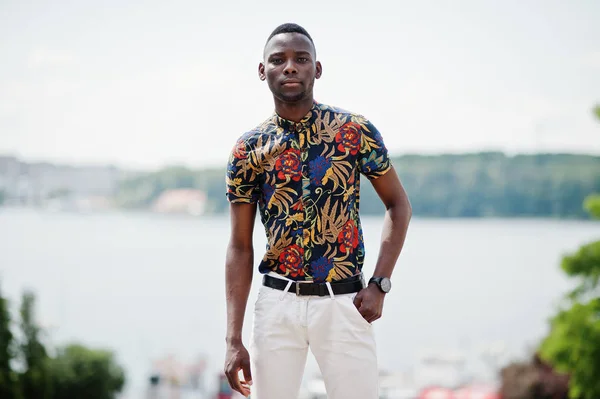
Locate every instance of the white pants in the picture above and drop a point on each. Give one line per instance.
(342, 341)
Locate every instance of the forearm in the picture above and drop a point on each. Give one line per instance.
(238, 280)
(393, 235)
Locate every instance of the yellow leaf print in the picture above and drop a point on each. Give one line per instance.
(348, 193)
(328, 174)
(298, 217)
(237, 181)
(306, 237)
(332, 274)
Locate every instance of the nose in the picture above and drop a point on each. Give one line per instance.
(290, 68)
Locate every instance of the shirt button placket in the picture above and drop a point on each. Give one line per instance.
(304, 150)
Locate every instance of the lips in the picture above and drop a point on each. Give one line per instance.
(291, 82)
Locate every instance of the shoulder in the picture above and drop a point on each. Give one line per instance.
(342, 114)
(251, 137)
(357, 125)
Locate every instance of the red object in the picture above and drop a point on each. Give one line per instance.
(476, 392)
(468, 392)
(436, 393)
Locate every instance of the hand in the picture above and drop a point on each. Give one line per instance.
(369, 302)
(237, 359)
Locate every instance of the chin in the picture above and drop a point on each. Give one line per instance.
(292, 97)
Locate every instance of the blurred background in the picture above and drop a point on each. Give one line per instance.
(116, 123)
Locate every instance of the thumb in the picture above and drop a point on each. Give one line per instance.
(247, 373)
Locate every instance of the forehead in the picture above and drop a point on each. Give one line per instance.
(289, 42)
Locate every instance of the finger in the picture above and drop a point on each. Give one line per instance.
(228, 375)
(247, 372)
(358, 300)
(229, 380)
(368, 313)
(234, 380)
(364, 309)
(365, 312)
(245, 390)
(364, 315)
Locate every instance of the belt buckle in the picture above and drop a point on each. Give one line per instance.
(297, 288)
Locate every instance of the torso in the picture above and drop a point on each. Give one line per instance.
(305, 177)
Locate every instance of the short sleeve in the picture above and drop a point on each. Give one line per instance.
(374, 160)
(241, 179)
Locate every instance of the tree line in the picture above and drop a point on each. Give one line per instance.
(30, 369)
(485, 184)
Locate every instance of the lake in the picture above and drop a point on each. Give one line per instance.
(148, 285)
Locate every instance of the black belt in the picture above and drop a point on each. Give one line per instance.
(346, 286)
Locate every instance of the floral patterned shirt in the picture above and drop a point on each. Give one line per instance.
(305, 178)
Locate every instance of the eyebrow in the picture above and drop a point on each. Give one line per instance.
(281, 54)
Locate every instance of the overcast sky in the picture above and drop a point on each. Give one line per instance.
(146, 83)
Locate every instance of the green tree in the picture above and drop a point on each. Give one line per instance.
(8, 380)
(573, 344)
(75, 372)
(79, 372)
(35, 380)
(592, 205)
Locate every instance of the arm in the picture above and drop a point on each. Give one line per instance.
(395, 224)
(238, 280)
(397, 217)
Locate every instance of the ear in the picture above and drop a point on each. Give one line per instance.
(261, 71)
(319, 70)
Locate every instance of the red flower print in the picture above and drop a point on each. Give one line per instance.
(240, 151)
(288, 165)
(348, 138)
(348, 237)
(290, 260)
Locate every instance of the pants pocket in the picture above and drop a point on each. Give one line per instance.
(353, 311)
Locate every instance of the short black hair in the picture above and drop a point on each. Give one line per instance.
(291, 28)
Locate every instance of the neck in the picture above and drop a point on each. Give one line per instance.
(293, 111)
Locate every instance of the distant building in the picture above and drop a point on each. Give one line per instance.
(82, 181)
(189, 201)
(35, 183)
(174, 379)
(10, 171)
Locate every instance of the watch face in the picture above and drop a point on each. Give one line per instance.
(386, 284)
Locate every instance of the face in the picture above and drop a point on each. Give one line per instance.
(289, 67)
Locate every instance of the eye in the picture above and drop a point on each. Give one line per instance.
(302, 59)
(276, 61)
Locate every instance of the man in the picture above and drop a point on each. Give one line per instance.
(302, 167)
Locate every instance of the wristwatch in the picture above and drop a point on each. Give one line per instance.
(384, 283)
